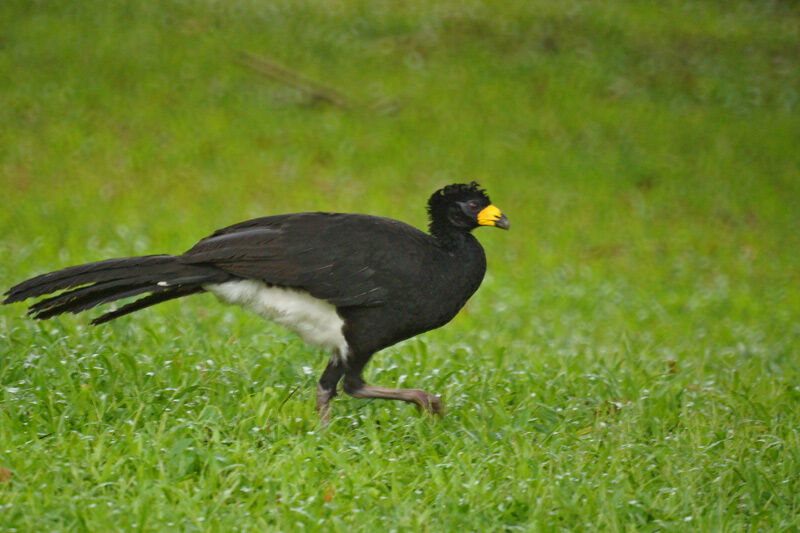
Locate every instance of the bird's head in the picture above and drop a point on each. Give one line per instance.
(463, 207)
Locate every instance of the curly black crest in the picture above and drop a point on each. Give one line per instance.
(445, 211)
(457, 192)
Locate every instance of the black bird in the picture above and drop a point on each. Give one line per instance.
(353, 284)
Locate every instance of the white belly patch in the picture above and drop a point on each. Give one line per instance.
(315, 320)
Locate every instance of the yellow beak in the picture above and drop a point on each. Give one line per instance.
(491, 216)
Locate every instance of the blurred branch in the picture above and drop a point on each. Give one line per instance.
(315, 90)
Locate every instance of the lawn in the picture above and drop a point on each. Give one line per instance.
(630, 363)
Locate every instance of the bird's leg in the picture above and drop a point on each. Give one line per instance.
(356, 387)
(326, 388)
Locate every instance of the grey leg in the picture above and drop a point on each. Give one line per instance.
(355, 386)
(326, 389)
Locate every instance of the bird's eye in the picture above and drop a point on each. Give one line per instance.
(473, 205)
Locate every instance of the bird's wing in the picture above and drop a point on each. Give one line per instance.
(342, 258)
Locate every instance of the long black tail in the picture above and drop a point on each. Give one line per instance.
(163, 276)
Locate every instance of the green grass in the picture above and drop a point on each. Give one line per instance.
(631, 362)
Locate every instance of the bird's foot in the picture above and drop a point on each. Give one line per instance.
(430, 403)
(324, 405)
(423, 400)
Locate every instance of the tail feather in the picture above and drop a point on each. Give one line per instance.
(99, 271)
(97, 283)
(85, 298)
(147, 301)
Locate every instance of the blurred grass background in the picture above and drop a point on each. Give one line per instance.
(631, 361)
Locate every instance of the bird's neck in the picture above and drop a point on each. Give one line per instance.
(448, 236)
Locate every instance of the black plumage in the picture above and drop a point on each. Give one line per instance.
(384, 280)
